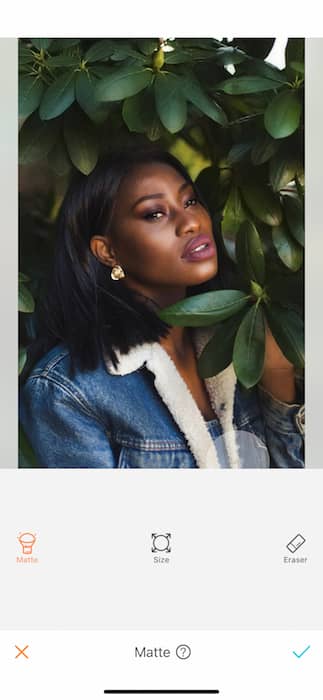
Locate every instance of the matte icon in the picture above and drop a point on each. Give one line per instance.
(27, 541)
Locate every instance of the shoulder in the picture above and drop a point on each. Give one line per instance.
(53, 374)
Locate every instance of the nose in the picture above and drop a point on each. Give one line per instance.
(187, 222)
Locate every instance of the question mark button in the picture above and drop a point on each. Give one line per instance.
(183, 651)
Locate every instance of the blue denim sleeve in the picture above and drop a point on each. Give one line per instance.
(284, 427)
(62, 429)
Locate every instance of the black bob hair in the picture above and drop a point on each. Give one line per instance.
(84, 308)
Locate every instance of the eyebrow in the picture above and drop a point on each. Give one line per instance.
(158, 195)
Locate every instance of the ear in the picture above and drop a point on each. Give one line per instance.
(103, 250)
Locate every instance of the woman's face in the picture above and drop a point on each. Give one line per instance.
(161, 234)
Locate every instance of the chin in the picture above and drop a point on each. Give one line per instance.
(204, 274)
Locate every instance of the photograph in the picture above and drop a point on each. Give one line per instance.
(161, 253)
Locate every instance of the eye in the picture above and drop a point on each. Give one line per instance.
(154, 215)
(192, 201)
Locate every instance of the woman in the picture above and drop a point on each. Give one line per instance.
(117, 386)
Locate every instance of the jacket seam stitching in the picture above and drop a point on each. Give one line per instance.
(84, 406)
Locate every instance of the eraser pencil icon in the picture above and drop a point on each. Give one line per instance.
(295, 543)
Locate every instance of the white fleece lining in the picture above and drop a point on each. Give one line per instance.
(176, 395)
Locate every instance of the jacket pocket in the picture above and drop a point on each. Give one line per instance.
(136, 458)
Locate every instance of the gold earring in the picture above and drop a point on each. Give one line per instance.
(117, 273)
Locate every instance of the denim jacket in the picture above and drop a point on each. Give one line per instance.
(142, 415)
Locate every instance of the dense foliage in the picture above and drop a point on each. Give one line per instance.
(239, 132)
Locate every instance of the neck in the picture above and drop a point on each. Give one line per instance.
(178, 343)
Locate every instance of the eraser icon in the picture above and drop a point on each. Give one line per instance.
(295, 543)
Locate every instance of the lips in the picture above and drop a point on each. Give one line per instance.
(199, 248)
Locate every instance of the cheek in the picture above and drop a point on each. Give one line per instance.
(137, 249)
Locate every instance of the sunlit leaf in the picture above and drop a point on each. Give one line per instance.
(81, 141)
(247, 84)
(294, 212)
(283, 114)
(85, 92)
(170, 103)
(249, 253)
(205, 309)
(26, 302)
(30, 94)
(249, 347)
(22, 359)
(58, 96)
(123, 82)
(289, 251)
(194, 93)
(41, 43)
(264, 148)
(262, 202)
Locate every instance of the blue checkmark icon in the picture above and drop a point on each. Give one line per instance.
(299, 656)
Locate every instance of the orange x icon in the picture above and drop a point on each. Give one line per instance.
(22, 651)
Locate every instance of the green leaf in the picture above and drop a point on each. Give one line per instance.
(238, 151)
(298, 66)
(205, 309)
(27, 456)
(294, 212)
(58, 159)
(256, 66)
(147, 46)
(250, 254)
(282, 170)
(247, 84)
(294, 51)
(22, 359)
(176, 57)
(290, 252)
(58, 96)
(85, 92)
(122, 83)
(30, 94)
(41, 43)
(26, 302)
(63, 61)
(100, 51)
(194, 93)
(138, 112)
(229, 55)
(63, 44)
(23, 278)
(36, 138)
(262, 202)
(217, 354)
(81, 141)
(126, 51)
(25, 56)
(283, 114)
(170, 103)
(232, 218)
(264, 148)
(249, 347)
(287, 328)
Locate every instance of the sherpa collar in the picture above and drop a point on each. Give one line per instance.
(176, 395)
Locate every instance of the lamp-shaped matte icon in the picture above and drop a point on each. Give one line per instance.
(27, 541)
